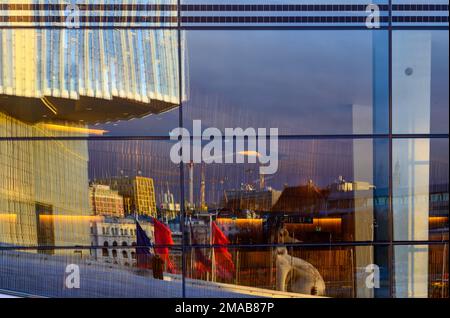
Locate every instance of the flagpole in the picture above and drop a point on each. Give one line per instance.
(209, 252)
(191, 231)
(237, 262)
(211, 241)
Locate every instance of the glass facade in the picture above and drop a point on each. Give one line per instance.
(358, 204)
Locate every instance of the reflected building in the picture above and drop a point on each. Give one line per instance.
(250, 199)
(116, 236)
(44, 197)
(169, 209)
(138, 194)
(56, 82)
(105, 201)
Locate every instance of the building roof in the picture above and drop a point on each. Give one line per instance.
(299, 198)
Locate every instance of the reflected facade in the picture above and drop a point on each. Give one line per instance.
(36, 190)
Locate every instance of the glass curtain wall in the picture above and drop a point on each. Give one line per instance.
(357, 202)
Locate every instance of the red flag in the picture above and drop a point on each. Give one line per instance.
(223, 260)
(163, 236)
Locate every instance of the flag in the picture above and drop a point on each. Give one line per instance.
(143, 244)
(163, 236)
(223, 260)
(202, 264)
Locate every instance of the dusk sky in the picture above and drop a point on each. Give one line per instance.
(297, 81)
(267, 78)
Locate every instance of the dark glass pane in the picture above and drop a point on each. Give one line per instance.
(301, 82)
(420, 81)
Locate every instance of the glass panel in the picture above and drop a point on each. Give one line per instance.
(283, 2)
(438, 271)
(420, 2)
(321, 271)
(308, 215)
(283, 271)
(420, 203)
(421, 271)
(81, 82)
(77, 201)
(290, 13)
(420, 82)
(244, 79)
(90, 14)
(322, 191)
(77, 272)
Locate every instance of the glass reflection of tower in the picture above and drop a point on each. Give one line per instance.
(55, 82)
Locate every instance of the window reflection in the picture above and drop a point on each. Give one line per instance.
(339, 207)
(81, 82)
(246, 77)
(420, 81)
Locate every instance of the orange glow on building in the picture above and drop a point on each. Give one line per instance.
(333, 225)
(8, 217)
(238, 221)
(80, 130)
(250, 153)
(69, 218)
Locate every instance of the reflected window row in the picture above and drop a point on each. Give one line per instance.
(301, 82)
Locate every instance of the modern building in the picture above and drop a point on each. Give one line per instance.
(105, 202)
(57, 82)
(365, 101)
(138, 194)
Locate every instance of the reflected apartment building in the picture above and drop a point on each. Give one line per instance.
(138, 193)
(57, 83)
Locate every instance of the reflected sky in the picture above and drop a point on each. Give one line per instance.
(303, 82)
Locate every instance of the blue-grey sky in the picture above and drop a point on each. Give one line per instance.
(302, 82)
